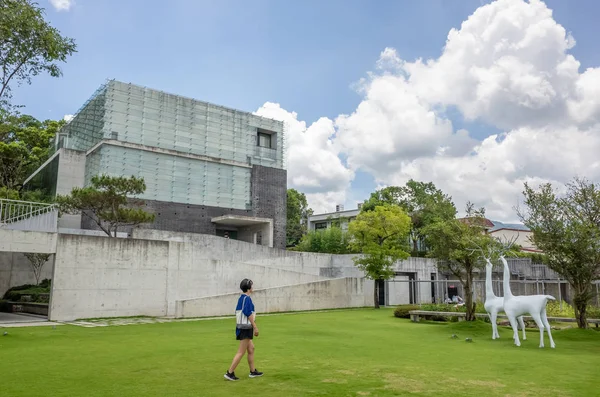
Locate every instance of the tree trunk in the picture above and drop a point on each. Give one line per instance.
(415, 245)
(470, 316)
(375, 295)
(580, 305)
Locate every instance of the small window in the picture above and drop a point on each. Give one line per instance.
(320, 225)
(264, 140)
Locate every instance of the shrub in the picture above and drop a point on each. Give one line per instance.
(402, 310)
(329, 241)
(37, 293)
(593, 312)
(553, 309)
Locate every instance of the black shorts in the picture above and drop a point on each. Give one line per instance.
(245, 334)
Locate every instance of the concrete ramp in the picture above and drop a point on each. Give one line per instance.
(328, 294)
(26, 241)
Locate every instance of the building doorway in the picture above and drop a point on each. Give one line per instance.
(231, 234)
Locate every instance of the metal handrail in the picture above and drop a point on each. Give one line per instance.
(12, 211)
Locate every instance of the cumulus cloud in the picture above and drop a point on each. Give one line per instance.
(62, 5)
(508, 66)
(313, 163)
(68, 117)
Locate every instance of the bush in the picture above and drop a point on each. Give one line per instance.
(402, 310)
(328, 241)
(37, 293)
(553, 309)
(593, 312)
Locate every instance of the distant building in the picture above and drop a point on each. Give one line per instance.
(339, 218)
(514, 231)
(208, 169)
(505, 232)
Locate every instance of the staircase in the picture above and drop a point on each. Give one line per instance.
(28, 216)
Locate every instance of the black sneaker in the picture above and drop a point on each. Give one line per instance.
(255, 374)
(230, 376)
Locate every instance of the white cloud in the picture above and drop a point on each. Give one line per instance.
(62, 5)
(68, 117)
(507, 66)
(312, 161)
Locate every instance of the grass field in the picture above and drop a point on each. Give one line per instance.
(340, 353)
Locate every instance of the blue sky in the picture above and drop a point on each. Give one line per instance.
(304, 55)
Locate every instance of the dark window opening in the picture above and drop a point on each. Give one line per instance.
(264, 140)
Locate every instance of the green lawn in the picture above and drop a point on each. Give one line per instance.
(339, 353)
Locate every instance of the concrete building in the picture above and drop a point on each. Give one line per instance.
(208, 169)
(339, 218)
(514, 231)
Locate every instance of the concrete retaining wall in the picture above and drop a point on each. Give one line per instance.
(15, 269)
(25, 241)
(107, 277)
(328, 294)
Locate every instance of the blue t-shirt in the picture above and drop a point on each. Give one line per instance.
(248, 307)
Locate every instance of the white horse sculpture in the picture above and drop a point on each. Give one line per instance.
(495, 304)
(534, 305)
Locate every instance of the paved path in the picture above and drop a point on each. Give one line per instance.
(11, 320)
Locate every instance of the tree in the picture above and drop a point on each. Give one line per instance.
(297, 216)
(423, 202)
(108, 202)
(29, 46)
(457, 244)
(327, 241)
(380, 235)
(567, 230)
(37, 262)
(25, 144)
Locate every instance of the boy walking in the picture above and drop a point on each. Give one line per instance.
(245, 330)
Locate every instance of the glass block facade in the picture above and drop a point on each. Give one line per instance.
(187, 151)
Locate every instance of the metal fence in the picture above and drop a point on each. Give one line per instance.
(25, 215)
(399, 292)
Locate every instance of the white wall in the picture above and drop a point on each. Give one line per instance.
(15, 269)
(521, 237)
(71, 173)
(265, 230)
(328, 294)
(46, 222)
(107, 277)
(26, 241)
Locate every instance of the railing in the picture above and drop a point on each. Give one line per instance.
(26, 215)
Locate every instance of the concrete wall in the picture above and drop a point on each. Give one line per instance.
(71, 173)
(15, 269)
(255, 234)
(328, 294)
(214, 247)
(145, 277)
(521, 237)
(26, 241)
(46, 222)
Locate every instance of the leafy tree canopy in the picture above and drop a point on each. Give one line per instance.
(25, 144)
(423, 202)
(457, 244)
(567, 229)
(29, 46)
(297, 216)
(108, 202)
(381, 236)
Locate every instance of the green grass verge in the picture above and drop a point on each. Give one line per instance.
(339, 353)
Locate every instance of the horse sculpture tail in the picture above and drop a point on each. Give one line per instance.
(550, 298)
